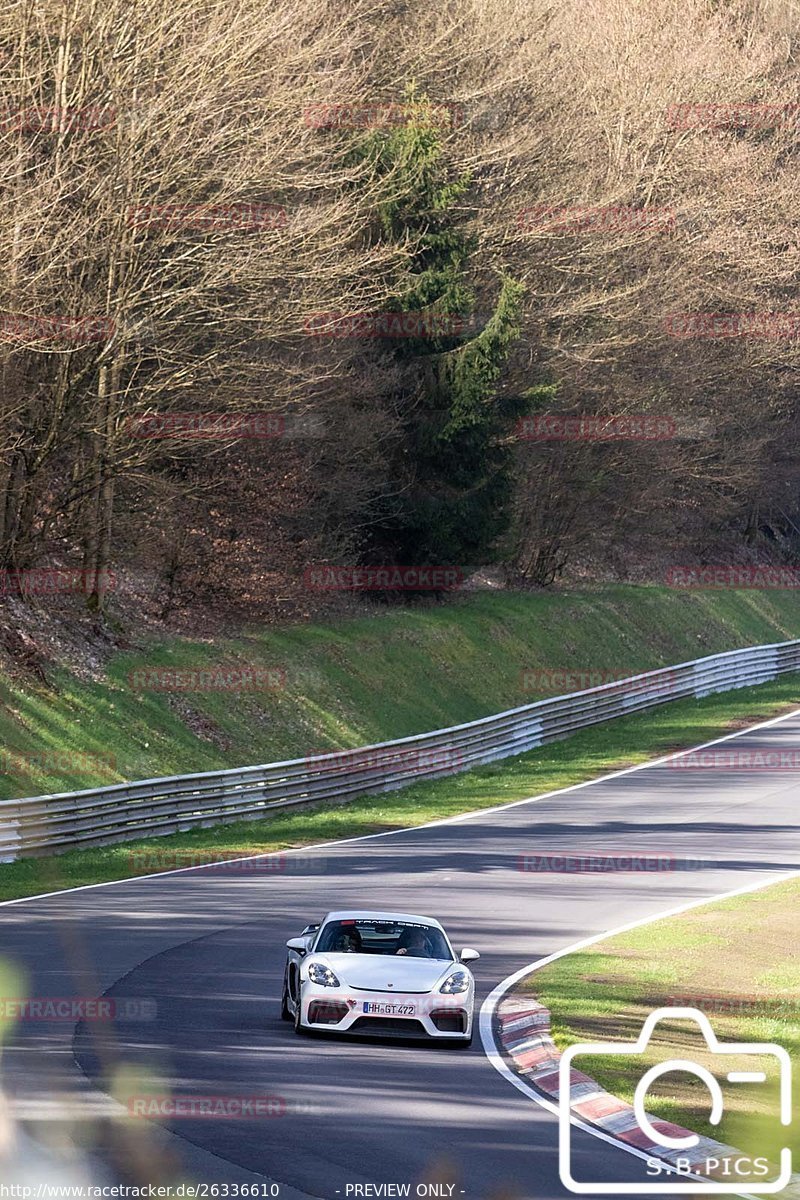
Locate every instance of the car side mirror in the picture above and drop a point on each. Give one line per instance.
(468, 955)
(298, 944)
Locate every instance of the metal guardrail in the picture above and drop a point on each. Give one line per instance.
(153, 807)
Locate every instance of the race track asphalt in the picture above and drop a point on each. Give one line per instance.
(204, 949)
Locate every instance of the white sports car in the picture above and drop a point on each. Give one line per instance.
(379, 973)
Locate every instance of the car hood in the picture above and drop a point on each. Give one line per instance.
(376, 972)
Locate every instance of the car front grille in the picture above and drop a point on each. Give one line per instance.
(393, 1026)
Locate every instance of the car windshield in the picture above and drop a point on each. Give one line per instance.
(358, 936)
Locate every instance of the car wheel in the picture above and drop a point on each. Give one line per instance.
(285, 1013)
(298, 1027)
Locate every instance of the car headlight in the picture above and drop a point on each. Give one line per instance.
(457, 982)
(319, 973)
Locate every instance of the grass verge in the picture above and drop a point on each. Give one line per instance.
(736, 960)
(349, 683)
(590, 753)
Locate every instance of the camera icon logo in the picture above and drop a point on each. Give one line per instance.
(671, 1153)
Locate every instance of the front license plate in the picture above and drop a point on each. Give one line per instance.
(388, 1010)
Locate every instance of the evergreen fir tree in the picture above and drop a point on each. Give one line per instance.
(451, 490)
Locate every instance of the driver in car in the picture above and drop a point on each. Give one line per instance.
(414, 943)
(348, 941)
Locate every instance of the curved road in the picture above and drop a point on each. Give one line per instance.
(193, 960)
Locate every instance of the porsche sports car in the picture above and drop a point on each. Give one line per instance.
(393, 974)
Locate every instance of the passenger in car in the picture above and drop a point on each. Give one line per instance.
(414, 943)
